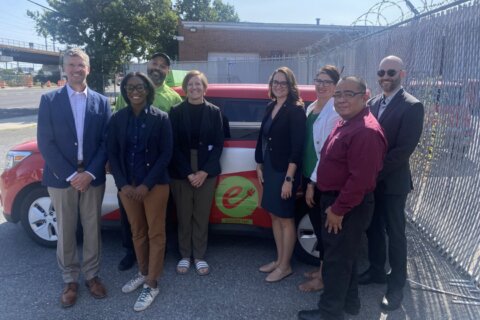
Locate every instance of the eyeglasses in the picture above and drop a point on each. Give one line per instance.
(280, 83)
(323, 83)
(346, 94)
(139, 87)
(389, 72)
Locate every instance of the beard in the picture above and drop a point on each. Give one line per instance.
(156, 76)
(390, 85)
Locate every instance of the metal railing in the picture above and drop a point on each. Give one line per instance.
(29, 45)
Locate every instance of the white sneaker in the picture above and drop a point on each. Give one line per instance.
(145, 298)
(133, 284)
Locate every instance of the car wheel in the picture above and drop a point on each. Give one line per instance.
(305, 247)
(38, 217)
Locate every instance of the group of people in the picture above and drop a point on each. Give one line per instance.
(349, 154)
(149, 152)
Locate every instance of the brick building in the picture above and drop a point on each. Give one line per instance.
(213, 41)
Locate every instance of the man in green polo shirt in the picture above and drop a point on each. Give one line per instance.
(165, 98)
(157, 69)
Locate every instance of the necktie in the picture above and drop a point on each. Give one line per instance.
(383, 106)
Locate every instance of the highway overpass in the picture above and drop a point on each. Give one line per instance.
(28, 52)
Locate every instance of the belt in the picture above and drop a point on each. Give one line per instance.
(80, 166)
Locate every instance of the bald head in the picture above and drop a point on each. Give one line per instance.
(392, 61)
(390, 74)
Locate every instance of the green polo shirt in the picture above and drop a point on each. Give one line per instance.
(165, 98)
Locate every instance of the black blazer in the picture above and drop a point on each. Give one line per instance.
(210, 144)
(402, 122)
(158, 149)
(286, 137)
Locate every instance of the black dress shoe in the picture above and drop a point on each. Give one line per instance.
(369, 277)
(392, 300)
(309, 315)
(127, 262)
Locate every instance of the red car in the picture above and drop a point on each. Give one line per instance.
(237, 197)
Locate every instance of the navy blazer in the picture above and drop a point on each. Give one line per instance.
(286, 137)
(57, 137)
(402, 122)
(210, 141)
(158, 149)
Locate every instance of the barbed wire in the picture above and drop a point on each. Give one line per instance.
(389, 12)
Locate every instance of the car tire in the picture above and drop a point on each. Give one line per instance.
(38, 217)
(305, 246)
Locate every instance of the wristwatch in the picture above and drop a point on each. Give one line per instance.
(289, 179)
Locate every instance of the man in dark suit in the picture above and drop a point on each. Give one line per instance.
(401, 117)
(72, 126)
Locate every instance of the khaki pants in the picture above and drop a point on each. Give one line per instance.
(69, 204)
(147, 221)
(193, 210)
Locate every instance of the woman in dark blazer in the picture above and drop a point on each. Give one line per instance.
(198, 144)
(278, 155)
(139, 149)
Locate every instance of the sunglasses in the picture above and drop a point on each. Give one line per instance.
(389, 72)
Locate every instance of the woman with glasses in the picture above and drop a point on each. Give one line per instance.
(198, 144)
(139, 149)
(279, 156)
(321, 118)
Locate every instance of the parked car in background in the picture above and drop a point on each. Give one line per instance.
(238, 194)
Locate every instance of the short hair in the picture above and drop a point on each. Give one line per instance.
(76, 52)
(331, 71)
(361, 84)
(293, 92)
(190, 75)
(146, 81)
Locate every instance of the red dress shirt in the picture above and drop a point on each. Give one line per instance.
(351, 159)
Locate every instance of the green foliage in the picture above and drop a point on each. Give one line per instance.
(111, 31)
(114, 31)
(205, 10)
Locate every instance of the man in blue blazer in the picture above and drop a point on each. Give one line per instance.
(401, 116)
(72, 126)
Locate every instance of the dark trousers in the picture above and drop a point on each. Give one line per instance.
(340, 259)
(127, 242)
(389, 218)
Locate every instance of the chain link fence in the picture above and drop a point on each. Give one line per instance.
(441, 52)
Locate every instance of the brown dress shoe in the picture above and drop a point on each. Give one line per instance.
(97, 289)
(69, 294)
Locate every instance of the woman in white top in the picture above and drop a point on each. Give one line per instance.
(321, 119)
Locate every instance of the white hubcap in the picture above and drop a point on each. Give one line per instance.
(42, 219)
(306, 236)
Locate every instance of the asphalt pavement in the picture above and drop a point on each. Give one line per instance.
(30, 281)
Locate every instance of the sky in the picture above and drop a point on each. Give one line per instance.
(16, 25)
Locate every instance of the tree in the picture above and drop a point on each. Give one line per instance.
(204, 10)
(111, 31)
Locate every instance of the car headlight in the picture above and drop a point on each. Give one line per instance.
(15, 157)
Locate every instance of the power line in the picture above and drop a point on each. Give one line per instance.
(40, 5)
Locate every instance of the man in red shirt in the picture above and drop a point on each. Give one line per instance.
(351, 159)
